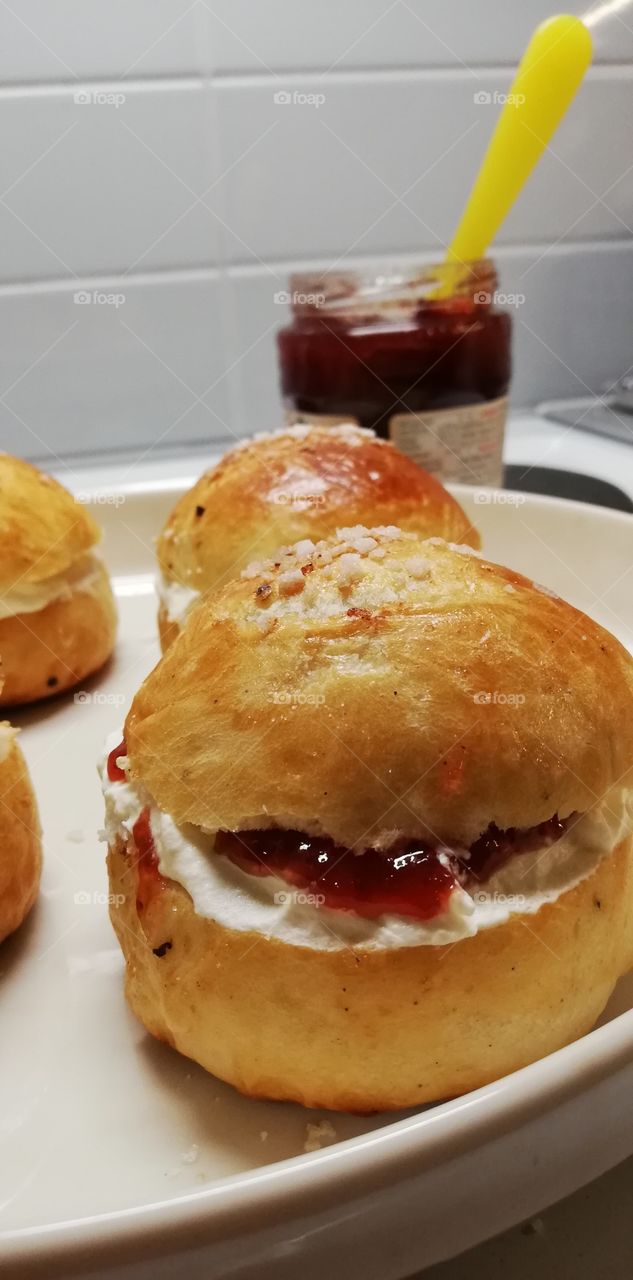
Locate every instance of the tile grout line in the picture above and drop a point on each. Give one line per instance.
(504, 253)
(227, 80)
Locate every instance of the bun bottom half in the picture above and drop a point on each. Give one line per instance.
(374, 1030)
(20, 845)
(47, 652)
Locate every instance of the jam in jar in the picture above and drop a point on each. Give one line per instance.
(421, 357)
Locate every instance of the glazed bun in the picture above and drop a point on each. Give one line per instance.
(43, 531)
(375, 701)
(378, 683)
(20, 844)
(301, 482)
(57, 613)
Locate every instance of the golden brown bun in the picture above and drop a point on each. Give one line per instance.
(372, 1031)
(43, 529)
(20, 844)
(305, 697)
(46, 652)
(305, 482)
(168, 630)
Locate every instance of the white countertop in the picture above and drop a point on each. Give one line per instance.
(551, 444)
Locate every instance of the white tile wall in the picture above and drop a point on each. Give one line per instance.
(144, 154)
(87, 39)
(92, 187)
(72, 40)
(150, 364)
(288, 35)
(387, 161)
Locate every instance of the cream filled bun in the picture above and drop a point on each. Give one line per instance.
(20, 844)
(370, 824)
(301, 482)
(57, 612)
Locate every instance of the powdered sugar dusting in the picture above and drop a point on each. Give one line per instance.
(348, 573)
(349, 432)
(461, 547)
(290, 582)
(356, 541)
(418, 567)
(350, 568)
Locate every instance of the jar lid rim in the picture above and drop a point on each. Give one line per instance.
(388, 284)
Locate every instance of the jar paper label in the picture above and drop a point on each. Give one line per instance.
(464, 443)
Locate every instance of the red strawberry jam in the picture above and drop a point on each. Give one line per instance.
(148, 877)
(410, 879)
(115, 774)
(494, 847)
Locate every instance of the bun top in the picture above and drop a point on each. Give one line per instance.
(377, 685)
(301, 482)
(42, 528)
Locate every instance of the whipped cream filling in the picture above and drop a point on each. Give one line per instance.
(222, 891)
(31, 597)
(175, 599)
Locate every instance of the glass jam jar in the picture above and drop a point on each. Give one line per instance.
(421, 357)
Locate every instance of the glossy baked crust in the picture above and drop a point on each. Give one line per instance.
(43, 529)
(20, 843)
(371, 1031)
(425, 692)
(168, 628)
(302, 483)
(46, 652)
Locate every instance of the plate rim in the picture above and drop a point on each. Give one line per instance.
(361, 1163)
(403, 1148)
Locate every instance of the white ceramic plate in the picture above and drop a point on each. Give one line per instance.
(117, 1154)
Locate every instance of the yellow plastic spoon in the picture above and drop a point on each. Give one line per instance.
(547, 79)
